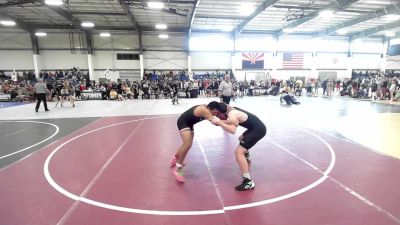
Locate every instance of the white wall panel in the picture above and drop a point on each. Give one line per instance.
(62, 60)
(108, 59)
(19, 60)
(286, 74)
(255, 43)
(366, 61)
(331, 61)
(393, 62)
(211, 60)
(152, 42)
(15, 40)
(60, 40)
(165, 60)
(126, 64)
(103, 60)
(129, 42)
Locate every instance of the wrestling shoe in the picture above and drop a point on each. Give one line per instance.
(247, 184)
(173, 161)
(178, 173)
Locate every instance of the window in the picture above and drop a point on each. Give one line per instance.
(129, 56)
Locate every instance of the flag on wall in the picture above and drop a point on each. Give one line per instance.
(253, 60)
(293, 60)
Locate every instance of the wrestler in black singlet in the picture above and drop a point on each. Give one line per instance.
(188, 119)
(256, 130)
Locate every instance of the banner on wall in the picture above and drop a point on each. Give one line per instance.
(293, 60)
(253, 60)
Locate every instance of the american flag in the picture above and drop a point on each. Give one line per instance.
(293, 60)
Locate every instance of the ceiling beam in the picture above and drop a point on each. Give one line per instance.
(180, 2)
(230, 17)
(260, 9)
(374, 30)
(20, 24)
(278, 6)
(392, 9)
(98, 13)
(336, 5)
(129, 14)
(194, 9)
(171, 10)
(66, 15)
(135, 24)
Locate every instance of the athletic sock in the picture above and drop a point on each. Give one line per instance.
(246, 175)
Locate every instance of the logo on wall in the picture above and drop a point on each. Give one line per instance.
(253, 60)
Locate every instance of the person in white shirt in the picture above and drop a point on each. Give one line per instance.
(225, 89)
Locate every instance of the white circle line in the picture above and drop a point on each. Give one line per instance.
(22, 150)
(175, 213)
(300, 191)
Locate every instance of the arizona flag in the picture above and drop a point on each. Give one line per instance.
(253, 60)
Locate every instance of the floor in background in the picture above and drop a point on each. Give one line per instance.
(11, 104)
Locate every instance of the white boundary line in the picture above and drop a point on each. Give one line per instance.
(29, 121)
(178, 213)
(300, 191)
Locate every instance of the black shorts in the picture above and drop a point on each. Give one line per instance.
(183, 125)
(252, 136)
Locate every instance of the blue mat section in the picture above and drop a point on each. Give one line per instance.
(10, 104)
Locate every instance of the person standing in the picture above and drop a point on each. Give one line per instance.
(41, 91)
(185, 125)
(256, 130)
(225, 89)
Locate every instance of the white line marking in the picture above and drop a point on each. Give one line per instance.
(300, 191)
(173, 213)
(22, 150)
(96, 177)
(357, 195)
(209, 172)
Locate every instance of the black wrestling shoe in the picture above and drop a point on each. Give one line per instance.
(247, 184)
(248, 157)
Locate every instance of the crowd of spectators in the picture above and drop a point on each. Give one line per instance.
(160, 85)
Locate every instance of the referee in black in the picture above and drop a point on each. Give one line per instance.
(225, 89)
(40, 92)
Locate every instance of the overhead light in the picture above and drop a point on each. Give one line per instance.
(163, 36)
(53, 2)
(390, 34)
(377, 2)
(161, 26)
(342, 32)
(155, 5)
(40, 34)
(7, 23)
(326, 14)
(246, 9)
(87, 24)
(105, 34)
